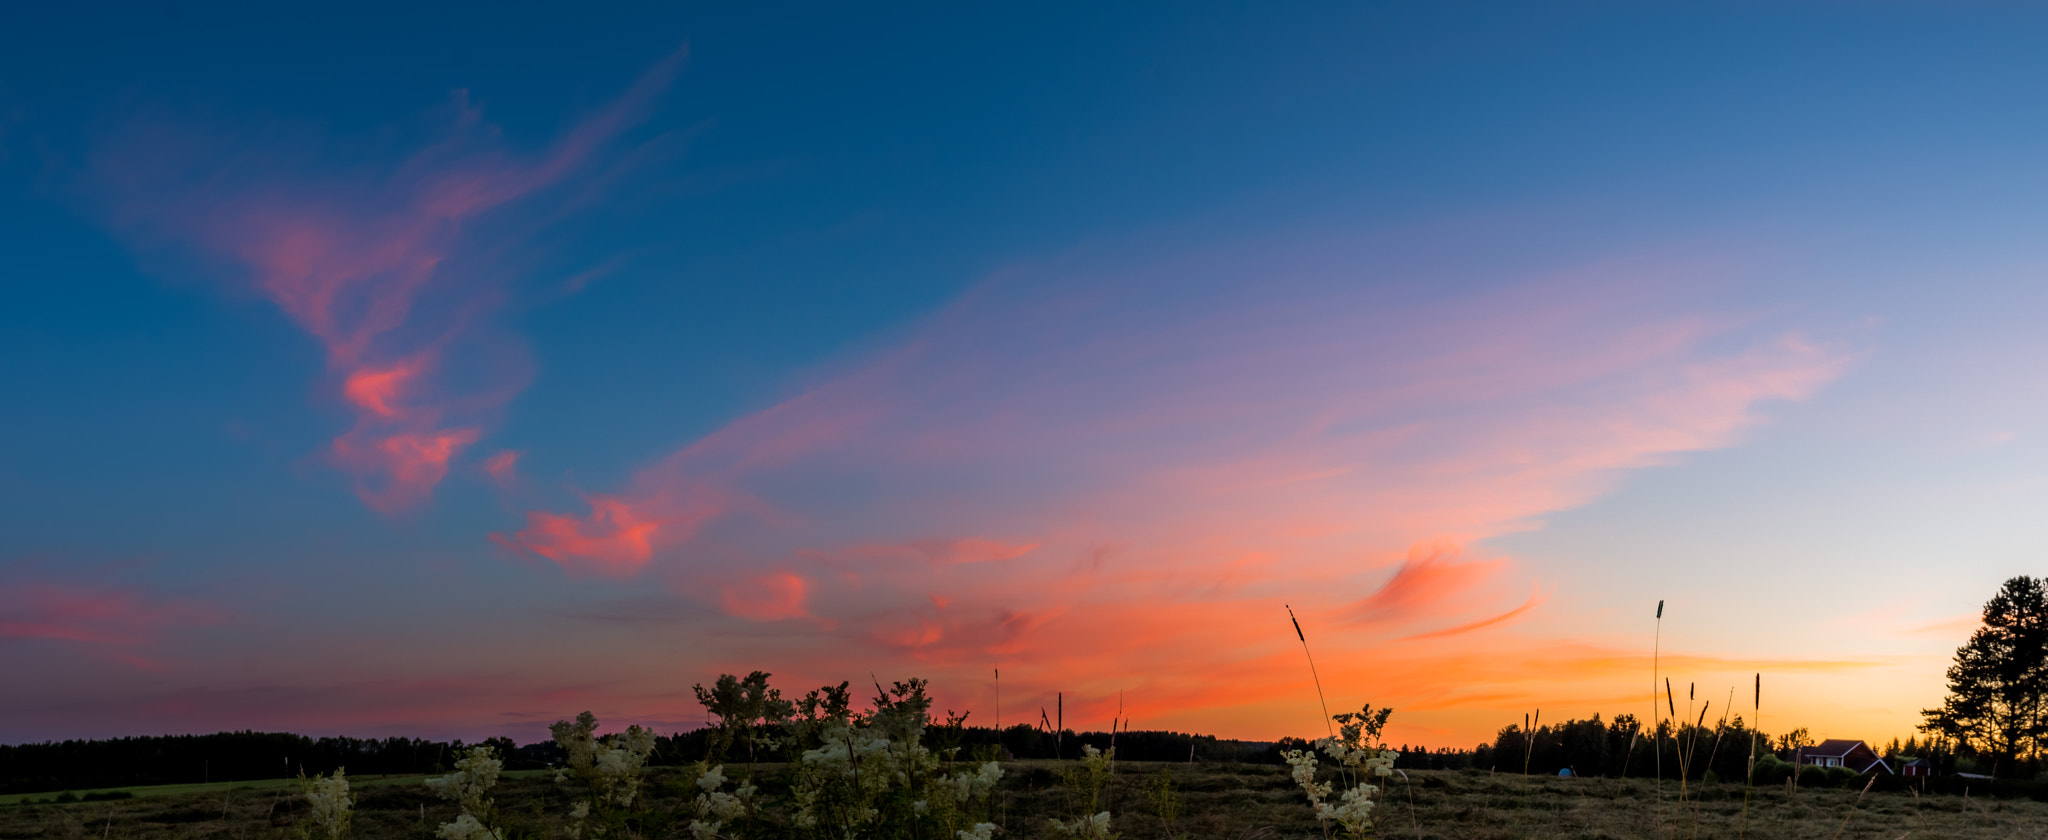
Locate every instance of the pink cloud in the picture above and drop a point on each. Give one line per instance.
(117, 622)
(1191, 444)
(612, 541)
(398, 470)
(931, 552)
(503, 467)
(770, 597)
(377, 264)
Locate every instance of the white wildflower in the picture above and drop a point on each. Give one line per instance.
(980, 831)
(331, 806)
(475, 774)
(467, 827)
(1088, 828)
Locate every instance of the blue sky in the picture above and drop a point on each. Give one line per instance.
(1603, 302)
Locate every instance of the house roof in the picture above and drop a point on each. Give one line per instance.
(1833, 748)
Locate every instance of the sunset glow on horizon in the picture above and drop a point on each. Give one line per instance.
(542, 365)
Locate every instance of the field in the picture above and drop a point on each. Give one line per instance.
(1219, 800)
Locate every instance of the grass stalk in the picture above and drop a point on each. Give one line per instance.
(1529, 739)
(1756, 724)
(1656, 723)
(1671, 710)
(1312, 670)
(1720, 730)
(1634, 733)
(1852, 807)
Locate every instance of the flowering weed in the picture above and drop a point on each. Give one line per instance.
(331, 806)
(475, 774)
(872, 775)
(607, 770)
(1361, 761)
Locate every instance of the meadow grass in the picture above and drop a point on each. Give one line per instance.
(257, 785)
(1215, 800)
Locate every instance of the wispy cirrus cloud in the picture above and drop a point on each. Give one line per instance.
(385, 261)
(1184, 444)
(122, 623)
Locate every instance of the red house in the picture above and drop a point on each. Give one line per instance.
(1836, 752)
(1917, 767)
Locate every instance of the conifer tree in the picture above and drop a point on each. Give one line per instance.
(1997, 699)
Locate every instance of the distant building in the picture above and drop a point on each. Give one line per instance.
(1836, 752)
(1917, 767)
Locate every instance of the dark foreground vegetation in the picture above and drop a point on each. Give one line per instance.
(1228, 800)
(1615, 749)
(251, 756)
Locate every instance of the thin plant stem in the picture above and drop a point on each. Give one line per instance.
(1312, 670)
(1756, 724)
(1409, 785)
(1720, 730)
(1656, 723)
(1852, 807)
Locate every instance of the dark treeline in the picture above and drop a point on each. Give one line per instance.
(1032, 742)
(247, 756)
(229, 756)
(1709, 753)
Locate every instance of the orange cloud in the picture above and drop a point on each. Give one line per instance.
(1188, 448)
(1426, 580)
(1535, 599)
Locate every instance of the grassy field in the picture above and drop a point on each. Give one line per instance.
(224, 788)
(1228, 801)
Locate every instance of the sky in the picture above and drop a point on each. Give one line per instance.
(373, 369)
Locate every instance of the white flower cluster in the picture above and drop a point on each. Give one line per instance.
(609, 766)
(970, 787)
(475, 774)
(1353, 810)
(1088, 828)
(858, 764)
(467, 827)
(980, 831)
(715, 807)
(330, 804)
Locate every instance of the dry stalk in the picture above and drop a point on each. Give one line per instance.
(1312, 670)
(1852, 807)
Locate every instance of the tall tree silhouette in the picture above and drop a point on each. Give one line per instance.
(1998, 687)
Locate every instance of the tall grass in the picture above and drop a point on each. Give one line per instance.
(1756, 726)
(1657, 724)
(1312, 669)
